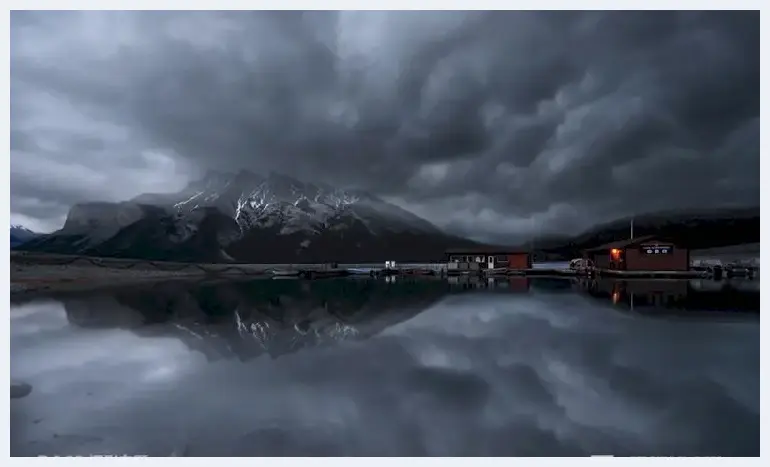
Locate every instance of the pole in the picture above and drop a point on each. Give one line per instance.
(632, 228)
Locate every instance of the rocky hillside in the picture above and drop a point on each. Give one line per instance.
(246, 217)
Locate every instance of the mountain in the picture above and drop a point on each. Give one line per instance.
(247, 217)
(21, 234)
(695, 228)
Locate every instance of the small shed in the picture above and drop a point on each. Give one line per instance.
(488, 258)
(648, 253)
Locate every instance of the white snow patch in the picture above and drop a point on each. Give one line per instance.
(184, 203)
(293, 206)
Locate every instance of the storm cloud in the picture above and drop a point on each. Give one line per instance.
(492, 125)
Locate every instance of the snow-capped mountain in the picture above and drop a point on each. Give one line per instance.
(250, 218)
(21, 234)
(256, 201)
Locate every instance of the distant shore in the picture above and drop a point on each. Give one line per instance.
(35, 273)
(734, 252)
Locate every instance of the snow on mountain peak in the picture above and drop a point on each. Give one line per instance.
(20, 228)
(290, 205)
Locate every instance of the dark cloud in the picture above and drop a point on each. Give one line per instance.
(495, 125)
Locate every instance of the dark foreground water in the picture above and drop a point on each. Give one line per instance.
(357, 367)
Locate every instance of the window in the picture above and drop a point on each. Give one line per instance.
(654, 249)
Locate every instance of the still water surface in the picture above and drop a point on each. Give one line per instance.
(360, 367)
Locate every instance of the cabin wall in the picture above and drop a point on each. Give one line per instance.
(601, 260)
(678, 260)
(501, 260)
(519, 261)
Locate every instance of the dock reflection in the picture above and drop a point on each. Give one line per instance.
(674, 296)
(502, 284)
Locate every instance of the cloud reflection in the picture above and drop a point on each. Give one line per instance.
(538, 372)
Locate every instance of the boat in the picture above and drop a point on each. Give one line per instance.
(360, 271)
(284, 273)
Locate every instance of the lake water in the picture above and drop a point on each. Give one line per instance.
(544, 367)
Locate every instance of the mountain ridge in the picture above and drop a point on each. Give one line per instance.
(248, 217)
(245, 217)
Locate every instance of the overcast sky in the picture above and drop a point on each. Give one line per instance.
(492, 125)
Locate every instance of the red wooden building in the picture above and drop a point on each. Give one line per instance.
(489, 258)
(647, 253)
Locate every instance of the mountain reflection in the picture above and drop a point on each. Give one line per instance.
(246, 319)
(469, 368)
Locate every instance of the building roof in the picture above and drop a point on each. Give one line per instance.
(492, 250)
(620, 244)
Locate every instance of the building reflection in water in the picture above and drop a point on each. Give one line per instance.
(672, 295)
(506, 284)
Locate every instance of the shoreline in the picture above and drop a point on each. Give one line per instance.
(40, 274)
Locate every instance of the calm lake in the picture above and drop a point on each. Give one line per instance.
(358, 367)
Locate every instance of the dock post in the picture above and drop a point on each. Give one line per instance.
(717, 273)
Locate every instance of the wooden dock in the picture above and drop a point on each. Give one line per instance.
(533, 272)
(553, 272)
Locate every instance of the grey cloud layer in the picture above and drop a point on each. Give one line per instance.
(491, 124)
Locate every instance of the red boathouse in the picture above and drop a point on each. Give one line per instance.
(488, 258)
(647, 253)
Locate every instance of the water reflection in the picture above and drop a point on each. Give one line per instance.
(680, 297)
(509, 284)
(370, 368)
(246, 319)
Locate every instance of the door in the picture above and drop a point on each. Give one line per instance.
(491, 262)
(617, 259)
